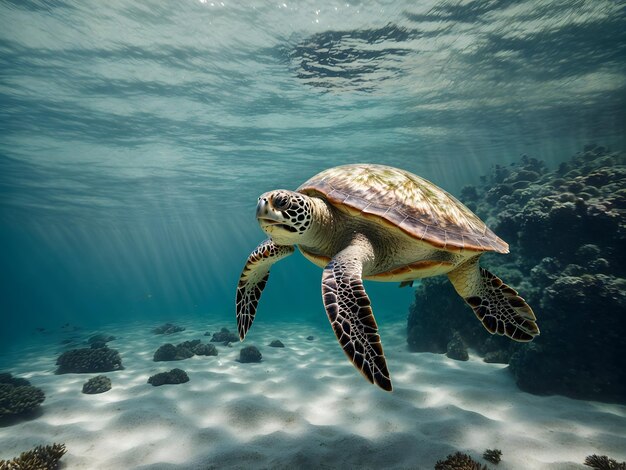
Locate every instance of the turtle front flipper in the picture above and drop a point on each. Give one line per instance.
(495, 304)
(253, 279)
(350, 314)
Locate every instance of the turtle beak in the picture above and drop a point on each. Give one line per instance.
(264, 212)
(261, 208)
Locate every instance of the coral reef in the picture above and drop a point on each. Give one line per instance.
(167, 329)
(567, 234)
(224, 336)
(459, 461)
(174, 376)
(602, 462)
(492, 455)
(89, 360)
(185, 350)
(18, 396)
(250, 354)
(98, 384)
(277, 344)
(39, 458)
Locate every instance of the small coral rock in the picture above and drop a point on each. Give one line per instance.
(205, 350)
(100, 338)
(497, 357)
(457, 348)
(185, 350)
(89, 360)
(174, 376)
(166, 352)
(99, 384)
(250, 354)
(167, 329)
(277, 344)
(224, 336)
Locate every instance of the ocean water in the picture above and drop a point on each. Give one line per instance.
(135, 138)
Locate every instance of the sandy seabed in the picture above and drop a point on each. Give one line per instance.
(304, 406)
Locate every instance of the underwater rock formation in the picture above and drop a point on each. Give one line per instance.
(459, 461)
(250, 354)
(89, 360)
(167, 329)
(173, 377)
(39, 458)
(18, 396)
(277, 344)
(224, 336)
(185, 350)
(99, 384)
(567, 234)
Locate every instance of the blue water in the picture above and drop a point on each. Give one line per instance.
(135, 137)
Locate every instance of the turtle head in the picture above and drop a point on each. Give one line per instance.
(285, 216)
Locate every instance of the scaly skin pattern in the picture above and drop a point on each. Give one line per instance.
(496, 305)
(253, 279)
(350, 314)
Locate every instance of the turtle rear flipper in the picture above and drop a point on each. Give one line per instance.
(500, 309)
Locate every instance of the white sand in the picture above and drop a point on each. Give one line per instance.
(304, 406)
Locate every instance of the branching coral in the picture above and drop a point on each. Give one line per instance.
(39, 458)
(602, 462)
(459, 461)
(17, 396)
(492, 455)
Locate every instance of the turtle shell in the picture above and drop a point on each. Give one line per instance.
(403, 200)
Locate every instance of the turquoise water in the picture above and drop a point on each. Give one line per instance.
(135, 139)
(136, 136)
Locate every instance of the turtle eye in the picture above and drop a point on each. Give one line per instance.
(280, 201)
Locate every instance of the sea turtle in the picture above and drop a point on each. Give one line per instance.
(379, 223)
